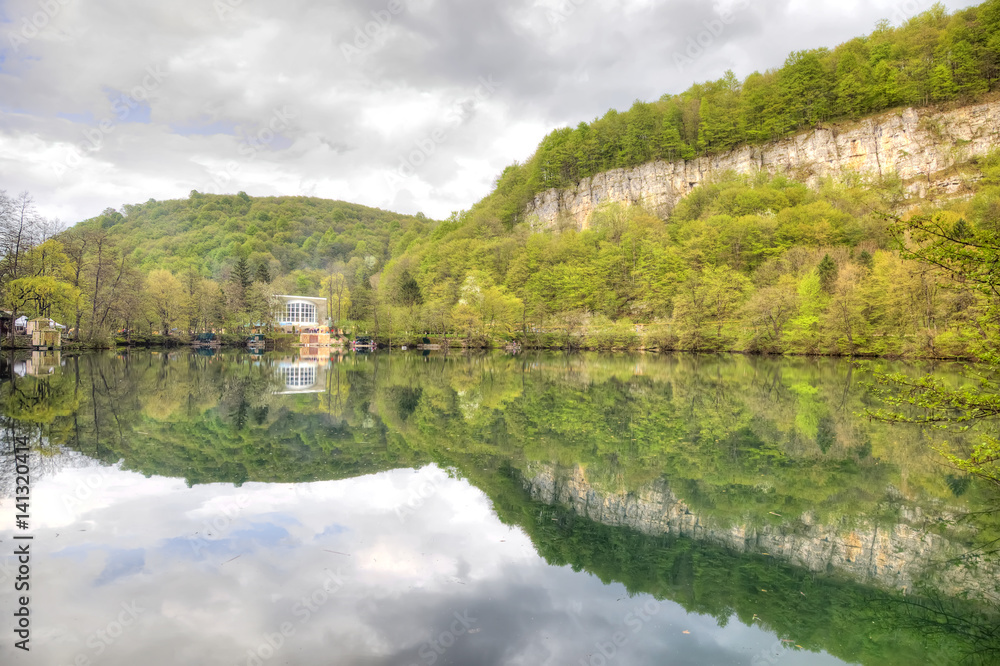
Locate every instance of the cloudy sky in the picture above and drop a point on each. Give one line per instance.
(408, 105)
(361, 571)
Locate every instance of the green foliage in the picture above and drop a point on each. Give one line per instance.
(933, 57)
(742, 443)
(827, 271)
(969, 255)
(291, 233)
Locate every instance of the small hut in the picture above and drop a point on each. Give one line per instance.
(44, 335)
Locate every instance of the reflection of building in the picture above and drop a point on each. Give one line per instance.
(315, 354)
(301, 312)
(303, 374)
(41, 364)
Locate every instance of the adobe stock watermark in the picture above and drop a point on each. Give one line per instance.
(416, 500)
(372, 32)
(223, 8)
(33, 25)
(85, 489)
(427, 145)
(100, 641)
(635, 620)
(303, 611)
(560, 14)
(252, 144)
(432, 650)
(215, 529)
(904, 11)
(699, 44)
(122, 107)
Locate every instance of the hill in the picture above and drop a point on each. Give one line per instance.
(935, 58)
(285, 234)
(756, 262)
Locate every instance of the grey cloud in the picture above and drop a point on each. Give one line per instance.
(356, 115)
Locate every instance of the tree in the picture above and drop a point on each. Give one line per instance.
(105, 276)
(19, 227)
(845, 314)
(966, 261)
(241, 275)
(167, 297)
(44, 289)
(338, 296)
(262, 274)
(769, 310)
(709, 300)
(827, 270)
(942, 84)
(75, 245)
(409, 290)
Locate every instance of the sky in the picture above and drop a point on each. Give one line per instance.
(406, 105)
(361, 571)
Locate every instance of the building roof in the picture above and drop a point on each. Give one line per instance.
(305, 298)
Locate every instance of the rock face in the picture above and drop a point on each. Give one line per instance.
(918, 146)
(890, 557)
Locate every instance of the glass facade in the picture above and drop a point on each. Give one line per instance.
(298, 312)
(299, 376)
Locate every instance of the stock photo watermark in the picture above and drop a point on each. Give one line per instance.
(281, 120)
(563, 11)
(22, 543)
(33, 25)
(426, 146)
(86, 488)
(101, 640)
(416, 500)
(219, 525)
(635, 620)
(699, 44)
(372, 32)
(904, 11)
(223, 8)
(123, 107)
(303, 610)
(433, 649)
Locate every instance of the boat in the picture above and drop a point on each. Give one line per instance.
(364, 344)
(427, 345)
(259, 341)
(207, 340)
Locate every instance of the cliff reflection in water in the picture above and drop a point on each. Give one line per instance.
(725, 484)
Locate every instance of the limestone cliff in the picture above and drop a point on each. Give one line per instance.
(919, 146)
(890, 557)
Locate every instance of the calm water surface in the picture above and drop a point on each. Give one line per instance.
(541, 509)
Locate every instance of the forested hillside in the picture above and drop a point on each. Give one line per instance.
(284, 234)
(934, 58)
(749, 263)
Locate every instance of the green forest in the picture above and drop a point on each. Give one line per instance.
(934, 58)
(708, 426)
(749, 263)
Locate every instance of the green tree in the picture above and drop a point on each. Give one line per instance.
(968, 261)
(942, 85)
(167, 298)
(827, 270)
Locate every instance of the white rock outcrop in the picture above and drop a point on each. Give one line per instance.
(889, 556)
(918, 145)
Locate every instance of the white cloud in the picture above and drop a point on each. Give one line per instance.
(355, 117)
(212, 571)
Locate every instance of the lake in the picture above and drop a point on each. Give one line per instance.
(409, 508)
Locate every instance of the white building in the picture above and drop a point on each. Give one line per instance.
(300, 312)
(296, 376)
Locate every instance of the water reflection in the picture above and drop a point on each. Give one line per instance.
(580, 509)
